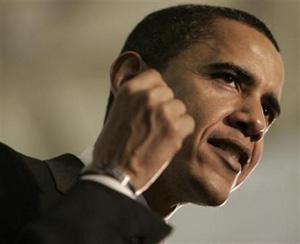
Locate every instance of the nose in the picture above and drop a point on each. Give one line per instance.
(249, 119)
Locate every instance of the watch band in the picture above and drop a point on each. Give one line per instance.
(115, 173)
(124, 179)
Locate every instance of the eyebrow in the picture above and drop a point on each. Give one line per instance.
(249, 79)
(244, 74)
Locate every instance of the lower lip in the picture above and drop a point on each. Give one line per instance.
(228, 159)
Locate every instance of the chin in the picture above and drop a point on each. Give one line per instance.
(209, 194)
(216, 201)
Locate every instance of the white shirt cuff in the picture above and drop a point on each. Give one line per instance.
(109, 182)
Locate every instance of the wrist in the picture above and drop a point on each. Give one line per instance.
(113, 172)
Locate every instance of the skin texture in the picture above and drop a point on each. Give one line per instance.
(224, 89)
(146, 125)
(224, 104)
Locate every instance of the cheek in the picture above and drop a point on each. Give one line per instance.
(206, 103)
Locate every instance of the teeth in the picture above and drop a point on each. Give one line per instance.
(235, 153)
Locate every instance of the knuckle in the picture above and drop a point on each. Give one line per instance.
(189, 125)
(181, 105)
(154, 73)
(170, 92)
(154, 76)
(191, 122)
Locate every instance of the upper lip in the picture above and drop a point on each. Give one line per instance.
(242, 151)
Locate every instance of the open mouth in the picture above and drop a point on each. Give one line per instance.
(234, 148)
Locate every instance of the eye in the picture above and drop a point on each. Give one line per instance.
(268, 113)
(228, 78)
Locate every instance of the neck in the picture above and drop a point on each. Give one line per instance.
(160, 199)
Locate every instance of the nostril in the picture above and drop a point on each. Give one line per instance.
(247, 123)
(257, 137)
(242, 125)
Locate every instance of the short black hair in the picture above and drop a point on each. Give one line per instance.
(163, 34)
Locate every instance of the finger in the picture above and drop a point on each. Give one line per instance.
(159, 94)
(174, 108)
(186, 125)
(144, 81)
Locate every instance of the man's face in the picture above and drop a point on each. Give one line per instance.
(231, 85)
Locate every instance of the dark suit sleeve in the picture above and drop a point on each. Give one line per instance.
(88, 213)
(92, 213)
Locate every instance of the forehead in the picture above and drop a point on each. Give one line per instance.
(236, 43)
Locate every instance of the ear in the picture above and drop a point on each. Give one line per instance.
(125, 67)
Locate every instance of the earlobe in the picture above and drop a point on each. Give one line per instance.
(125, 67)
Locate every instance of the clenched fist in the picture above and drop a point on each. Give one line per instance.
(146, 126)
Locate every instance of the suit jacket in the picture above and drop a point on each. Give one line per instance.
(43, 202)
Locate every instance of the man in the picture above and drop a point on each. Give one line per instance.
(195, 88)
